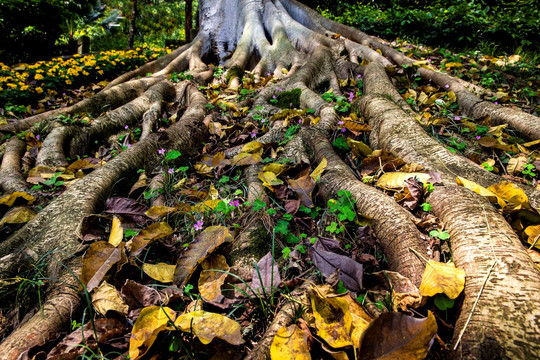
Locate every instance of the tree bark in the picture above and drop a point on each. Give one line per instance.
(189, 19)
(133, 23)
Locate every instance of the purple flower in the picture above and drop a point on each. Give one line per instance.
(253, 134)
(234, 203)
(198, 225)
(496, 103)
(358, 76)
(351, 96)
(273, 96)
(263, 120)
(161, 151)
(171, 171)
(128, 145)
(268, 74)
(478, 137)
(457, 118)
(280, 89)
(340, 122)
(447, 86)
(126, 127)
(290, 105)
(343, 130)
(37, 137)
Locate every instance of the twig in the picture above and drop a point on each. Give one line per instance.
(474, 306)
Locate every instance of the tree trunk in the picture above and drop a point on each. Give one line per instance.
(188, 12)
(285, 42)
(133, 23)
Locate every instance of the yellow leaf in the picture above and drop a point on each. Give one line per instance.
(275, 168)
(146, 236)
(207, 326)
(512, 194)
(117, 232)
(244, 159)
(197, 250)
(206, 205)
(214, 194)
(516, 165)
(106, 298)
(10, 199)
(290, 343)
(155, 212)
(18, 215)
(151, 321)
(269, 179)
(316, 174)
(203, 169)
(396, 180)
(332, 319)
(442, 278)
(360, 319)
(97, 261)
(452, 96)
(480, 190)
(453, 64)
(80, 164)
(359, 148)
(252, 147)
(533, 233)
(210, 281)
(161, 272)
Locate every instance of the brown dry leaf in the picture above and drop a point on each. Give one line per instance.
(117, 232)
(161, 272)
(359, 148)
(316, 174)
(207, 326)
(151, 321)
(290, 343)
(201, 247)
(332, 319)
(10, 199)
(97, 260)
(210, 281)
(106, 298)
(80, 165)
(512, 194)
(203, 169)
(244, 159)
(146, 236)
(398, 336)
(533, 233)
(396, 180)
(492, 197)
(442, 278)
(269, 179)
(155, 212)
(516, 165)
(303, 186)
(141, 183)
(18, 215)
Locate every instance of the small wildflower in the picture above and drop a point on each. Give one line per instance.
(128, 145)
(496, 103)
(171, 171)
(351, 97)
(478, 137)
(457, 118)
(280, 89)
(343, 130)
(198, 225)
(253, 134)
(161, 151)
(37, 137)
(358, 76)
(268, 74)
(234, 203)
(126, 127)
(263, 120)
(447, 86)
(273, 96)
(290, 105)
(340, 122)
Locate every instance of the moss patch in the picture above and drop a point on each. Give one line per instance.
(289, 99)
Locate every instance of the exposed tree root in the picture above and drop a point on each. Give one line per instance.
(505, 322)
(304, 51)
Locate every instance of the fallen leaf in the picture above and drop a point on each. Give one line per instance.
(106, 298)
(197, 250)
(160, 272)
(146, 236)
(290, 343)
(117, 232)
(533, 233)
(303, 186)
(350, 272)
(514, 196)
(10, 199)
(516, 165)
(275, 168)
(316, 174)
(151, 321)
(210, 281)
(359, 148)
(492, 197)
(244, 159)
(442, 278)
(18, 215)
(207, 326)
(332, 319)
(398, 336)
(97, 261)
(265, 276)
(128, 208)
(360, 319)
(269, 179)
(139, 296)
(252, 147)
(396, 180)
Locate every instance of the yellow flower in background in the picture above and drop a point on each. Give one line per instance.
(12, 86)
(100, 72)
(39, 90)
(68, 82)
(85, 73)
(38, 77)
